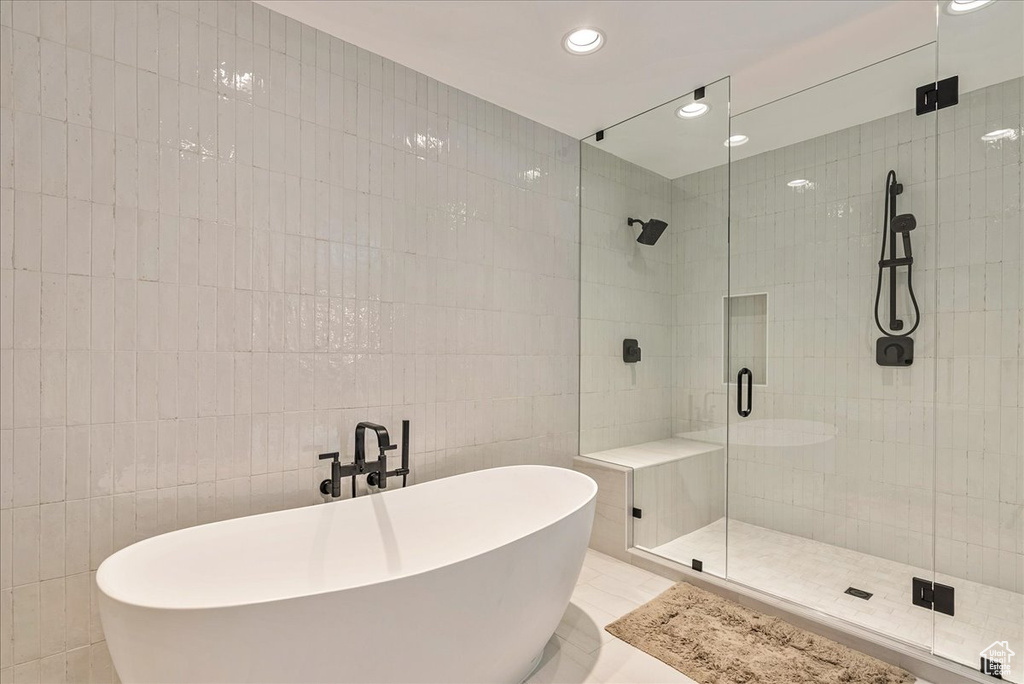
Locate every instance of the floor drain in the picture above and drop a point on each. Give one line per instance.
(859, 593)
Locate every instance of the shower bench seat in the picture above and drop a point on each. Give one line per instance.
(654, 492)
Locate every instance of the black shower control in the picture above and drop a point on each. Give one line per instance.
(895, 350)
(630, 351)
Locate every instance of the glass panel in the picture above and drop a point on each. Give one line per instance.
(979, 479)
(662, 416)
(830, 459)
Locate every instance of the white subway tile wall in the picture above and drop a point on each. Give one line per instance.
(626, 292)
(226, 238)
(700, 210)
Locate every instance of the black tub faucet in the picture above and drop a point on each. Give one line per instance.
(378, 476)
(376, 472)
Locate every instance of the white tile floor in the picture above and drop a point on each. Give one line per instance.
(816, 574)
(581, 651)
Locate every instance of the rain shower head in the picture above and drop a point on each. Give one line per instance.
(652, 230)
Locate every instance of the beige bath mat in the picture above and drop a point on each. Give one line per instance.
(716, 641)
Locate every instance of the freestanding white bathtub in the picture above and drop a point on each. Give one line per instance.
(460, 579)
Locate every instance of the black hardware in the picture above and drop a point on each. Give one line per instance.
(893, 263)
(630, 351)
(333, 485)
(934, 596)
(698, 94)
(650, 230)
(939, 95)
(895, 347)
(637, 513)
(378, 477)
(377, 471)
(859, 593)
(697, 565)
(944, 598)
(404, 470)
(744, 373)
(993, 668)
(600, 135)
(894, 350)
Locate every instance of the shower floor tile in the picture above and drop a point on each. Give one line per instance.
(816, 574)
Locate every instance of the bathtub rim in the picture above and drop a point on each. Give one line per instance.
(112, 596)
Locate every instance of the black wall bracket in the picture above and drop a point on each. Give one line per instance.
(934, 596)
(630, 351)
(993, 668)
(934, 96)
(637, 513)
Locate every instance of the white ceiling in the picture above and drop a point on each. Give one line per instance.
(982, 48)
(510, 53)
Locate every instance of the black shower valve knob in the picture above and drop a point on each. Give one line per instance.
(630, 351)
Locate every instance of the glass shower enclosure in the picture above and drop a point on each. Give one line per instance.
(828, 402)
(666, 300)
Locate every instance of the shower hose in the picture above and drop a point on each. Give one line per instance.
(890, 211)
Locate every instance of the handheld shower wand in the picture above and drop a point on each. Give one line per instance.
(896, 348)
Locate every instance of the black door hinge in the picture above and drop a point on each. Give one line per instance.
(934, 596)
(637, 513)
(993, 668)
(933, 96)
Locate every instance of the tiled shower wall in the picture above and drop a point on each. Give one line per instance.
(226, 238)
(849, 453)
(626, 291)
(700, 209)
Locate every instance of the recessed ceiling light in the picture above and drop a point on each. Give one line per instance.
(798, 183)
(692, 110)
(736, 140)
(583, 41)
(965, 6)
(1001, 134)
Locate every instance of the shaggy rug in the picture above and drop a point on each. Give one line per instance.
(716, 641)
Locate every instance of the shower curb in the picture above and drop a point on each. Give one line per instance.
(913, 659)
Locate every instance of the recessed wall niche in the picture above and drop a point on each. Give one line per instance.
(748, 336)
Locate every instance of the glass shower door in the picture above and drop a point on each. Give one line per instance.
(654, 254)
(831, 422)
(979, 477)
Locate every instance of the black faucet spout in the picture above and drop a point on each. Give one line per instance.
(378, 471)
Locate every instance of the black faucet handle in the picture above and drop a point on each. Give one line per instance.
(389, 447)
(334, 454)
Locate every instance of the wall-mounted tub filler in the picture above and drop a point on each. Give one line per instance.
(376, 472)
(651, 230)
(440, 569)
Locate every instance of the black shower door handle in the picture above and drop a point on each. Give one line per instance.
(744, 372)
